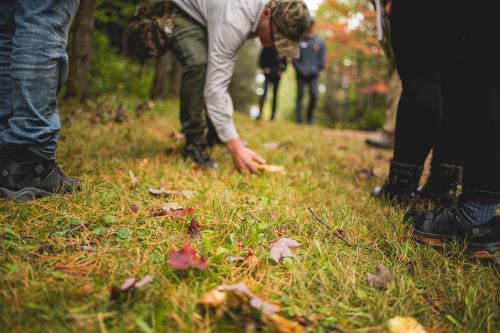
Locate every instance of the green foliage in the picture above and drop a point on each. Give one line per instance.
(115, 73)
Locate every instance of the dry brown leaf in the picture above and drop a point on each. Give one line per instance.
(404, 325)
(281, 248)
(283, 325)
(381, 278)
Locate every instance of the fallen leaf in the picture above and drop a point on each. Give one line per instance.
(134, 209)
(404, 325)
(281, 231)
(270, 168)
(133, 179)
(283, 325)
(194, 229)
(173, 209)
(236, 259)
(186, 258)
(128, 285)
(120, 114)
(215, 298)
(250, 258)
(281, 248)
(142, 108)
(341, 233)
(381, 277)
(162, 191)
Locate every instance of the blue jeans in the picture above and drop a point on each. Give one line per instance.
(33, 67)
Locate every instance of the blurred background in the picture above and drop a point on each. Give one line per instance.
(104, 63)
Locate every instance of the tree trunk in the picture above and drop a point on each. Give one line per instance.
(160, 78)
(80, 52)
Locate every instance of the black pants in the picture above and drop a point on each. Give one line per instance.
(312, 82)
(275, 81)
(451, 89)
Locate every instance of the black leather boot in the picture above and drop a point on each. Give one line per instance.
(402, 183)
(196, 149)
(441, 187)
(26, 176)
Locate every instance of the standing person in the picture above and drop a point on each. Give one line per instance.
(308, 67)
(456, 64)
(385, 139)
(273, 66)
(206, 38)
(33, 67)
(424, 122)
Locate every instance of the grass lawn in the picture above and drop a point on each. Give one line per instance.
(61, 256)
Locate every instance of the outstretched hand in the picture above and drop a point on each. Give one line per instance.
(245, 159)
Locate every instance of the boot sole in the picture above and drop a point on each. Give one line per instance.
(26, 194)
(488, 251)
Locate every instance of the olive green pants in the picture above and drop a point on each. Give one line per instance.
(189, 44)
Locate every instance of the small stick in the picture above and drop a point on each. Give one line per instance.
(335, 232)
(256, 219)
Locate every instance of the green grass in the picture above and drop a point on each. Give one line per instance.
(51, 282)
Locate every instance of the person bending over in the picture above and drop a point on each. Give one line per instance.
(206, 38)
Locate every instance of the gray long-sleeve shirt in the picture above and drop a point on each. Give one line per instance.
(229, 24)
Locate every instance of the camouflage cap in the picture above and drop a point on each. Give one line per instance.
(290, 20)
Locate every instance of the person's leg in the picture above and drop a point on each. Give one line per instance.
(39, 68)
(420, 107)
(475, 72)
(7, 29)
(392, 102)
(263, 98)
(189, 44)
(300, 98)
(276, 84)
(313, 98)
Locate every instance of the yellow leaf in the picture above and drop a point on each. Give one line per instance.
(270, 168)
(404, 325)
(283, 325)
(214, 298)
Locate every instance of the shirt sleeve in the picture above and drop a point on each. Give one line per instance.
(224, 41)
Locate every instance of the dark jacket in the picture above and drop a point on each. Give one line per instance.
(269, 58)
(312, 57)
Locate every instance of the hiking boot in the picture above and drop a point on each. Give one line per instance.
(401, 184)
(382, 140)
(442, 185)
(446, 224)
(25, 181)
(198, 153)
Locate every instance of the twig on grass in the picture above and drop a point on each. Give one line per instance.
(335, 232)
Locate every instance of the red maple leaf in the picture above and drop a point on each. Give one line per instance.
(186, 258)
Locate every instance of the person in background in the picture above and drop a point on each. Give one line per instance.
(273, 65)
(385, 139)
(308, 67)
(33, 68)
(206, 38)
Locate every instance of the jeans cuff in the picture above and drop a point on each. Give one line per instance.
(39, 151)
